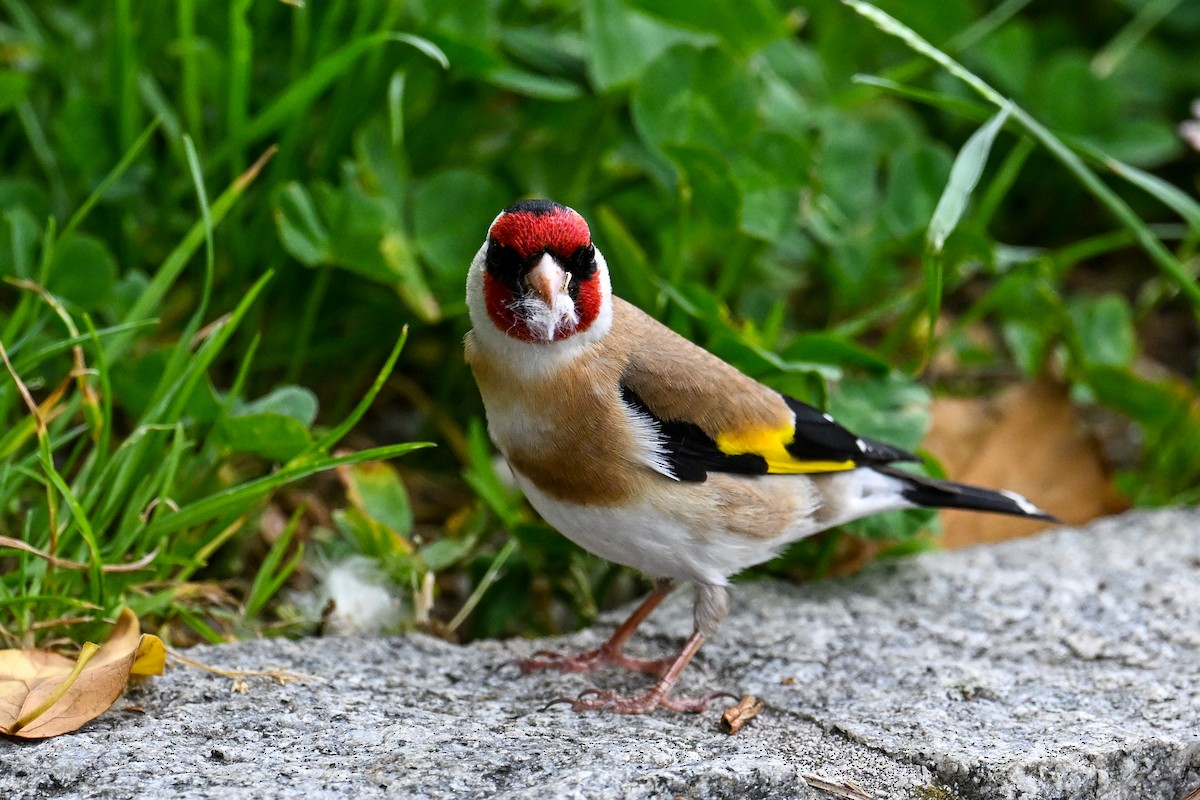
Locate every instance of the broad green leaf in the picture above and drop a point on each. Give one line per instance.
(410, 284)
(1104, 326)
(745, 25)
(375, 489)
(83, 271)
(300, 227)
(846, 164)
(19, 235)
(369, 536)
(893, 409)
(451, 214)
(771, 174)
(758, 362)
(1068, 97)
(14, 85)
(445, 552)
(22, 192)
(358, 231)
(691, 96)
(1028, 342)
(273, 436)
(1144, 142)
(708, 182)
(621, 42)
(826, 349)
(296, 402)
(1140, 399)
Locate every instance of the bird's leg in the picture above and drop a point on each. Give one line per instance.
(712, 604)
(610, 651)
(597, 700)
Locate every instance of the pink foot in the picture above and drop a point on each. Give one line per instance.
(591, 660)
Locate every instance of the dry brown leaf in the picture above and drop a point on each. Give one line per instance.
(845, 789)
(45, 694)
(736, 716)
(1028, 440)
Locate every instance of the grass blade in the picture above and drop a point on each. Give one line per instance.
(124, 164)
(1169, 195)
(243, 495)
(964, 177)
(270, 575)
(152, 295)
(1126, 41)
(336, 433)
(302, 92)
(1056, 146)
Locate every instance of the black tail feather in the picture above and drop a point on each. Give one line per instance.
(934, 493)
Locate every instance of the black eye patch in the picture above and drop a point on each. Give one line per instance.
(504, 264)
(582, 263)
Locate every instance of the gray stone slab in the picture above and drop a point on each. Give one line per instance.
(1063, 666)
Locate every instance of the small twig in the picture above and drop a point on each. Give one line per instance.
(29, 401)
(133, 566)
(277, 674)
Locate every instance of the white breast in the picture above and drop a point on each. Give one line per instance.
(676, 531)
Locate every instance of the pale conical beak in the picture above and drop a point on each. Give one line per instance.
(547, 279)
(548, 310)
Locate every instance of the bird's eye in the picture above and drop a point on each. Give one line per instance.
(583, 262)
(504, 263)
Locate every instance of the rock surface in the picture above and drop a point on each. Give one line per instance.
(1064, 666)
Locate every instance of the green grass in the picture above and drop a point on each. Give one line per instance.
(216, 220)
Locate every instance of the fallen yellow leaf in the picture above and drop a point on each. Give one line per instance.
(45, 694)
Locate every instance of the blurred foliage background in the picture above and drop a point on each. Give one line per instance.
(216, 219)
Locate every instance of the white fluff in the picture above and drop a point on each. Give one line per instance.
(542, 319)
(362, 601)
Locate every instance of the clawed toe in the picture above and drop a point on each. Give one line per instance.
(588, 661)
(586, 700)
(603, 700)
(694, 705)
(558, 701)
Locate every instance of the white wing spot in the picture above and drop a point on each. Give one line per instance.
(862, 446)
(1023, 503)
(652, 451)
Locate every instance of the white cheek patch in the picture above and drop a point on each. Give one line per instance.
(542, 320)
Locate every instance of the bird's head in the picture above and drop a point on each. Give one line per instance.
(538, 278)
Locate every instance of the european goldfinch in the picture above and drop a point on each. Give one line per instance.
(647, 450)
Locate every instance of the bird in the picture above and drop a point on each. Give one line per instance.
(649, 451)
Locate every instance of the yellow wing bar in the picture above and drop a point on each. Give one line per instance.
(772, 444)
